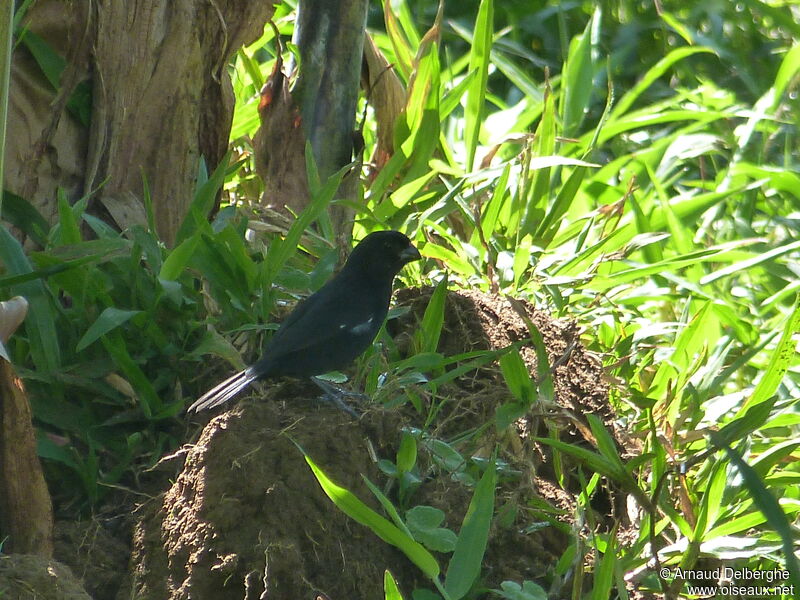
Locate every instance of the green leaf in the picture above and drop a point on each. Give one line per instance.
(767, 504)
(465, 564)
(478, 62)
(534, 192)
(109, 319)
(424, 523)
(743, 265)
(46, 448)
(390, 589)
(604, 572)
(711, 503)
(204, 197)
(178, 258)
(69, 231)
(387, 505)
(40, 323)
(578, 79)
(281, 250)
(50, 62)
(508, 412)
(511, 590)
(427, 336)
(407, 454)
(605, 443)
(52, 65)
(790, 65)
(782, 357)
(444, 454)
(116, 347)
(403, 49)
(518, 380)
(652, 75)
(354, 508)
(22, 214)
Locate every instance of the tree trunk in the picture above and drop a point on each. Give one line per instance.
(319, 109)
(26, 513)
(161, 99)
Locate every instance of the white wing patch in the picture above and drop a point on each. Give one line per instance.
(361, 327)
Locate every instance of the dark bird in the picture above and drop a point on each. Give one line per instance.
(333, 326)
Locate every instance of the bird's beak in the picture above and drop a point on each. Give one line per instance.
(409, 254)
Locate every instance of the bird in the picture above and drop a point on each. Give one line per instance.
(332, 327)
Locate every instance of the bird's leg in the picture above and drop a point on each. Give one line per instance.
(336, 395)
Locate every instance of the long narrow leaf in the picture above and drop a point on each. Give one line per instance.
(432, 321)
(779, 362)
(768, 505)
(354, 508)
(478, 62)
(109, 319)
(40, 322)
(465, 565)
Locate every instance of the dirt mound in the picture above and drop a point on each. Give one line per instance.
(478, 321)
(95, 555)
(247, 512)
(28, 577)
(246, 518)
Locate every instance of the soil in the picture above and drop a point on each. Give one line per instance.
(244, 516)
(28, 577)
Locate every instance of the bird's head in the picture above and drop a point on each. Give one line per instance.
(382, 254)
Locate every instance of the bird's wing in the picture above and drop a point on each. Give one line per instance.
(342, 305)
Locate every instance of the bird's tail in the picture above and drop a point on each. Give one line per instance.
(224, 391)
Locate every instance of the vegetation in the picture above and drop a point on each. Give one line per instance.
(629, 165)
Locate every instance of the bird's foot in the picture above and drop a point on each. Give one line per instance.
(336, 396)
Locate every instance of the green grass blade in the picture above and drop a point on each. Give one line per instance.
(465, 564)
(69, 231)
(390, 589)
(604, 572)
(178, 258)
(786, 73)
(281, 250)
(578, 79)
(109, 319)
(654, 73)
(40, 324)
(7, 24)
(203, 201)
(22, 214)
(711, 502)
(427, 336)
(116, 347)
(354, 508)
(768, 505)
(688, 342)
(387, 506)
(517, 377)
(476, 94)
(743, 265)
(605, 443)
(403, 49)
(782, 357)
(535, 184)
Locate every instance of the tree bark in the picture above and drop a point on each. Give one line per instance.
(330, 37)
(161, 99)
(26, 512)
